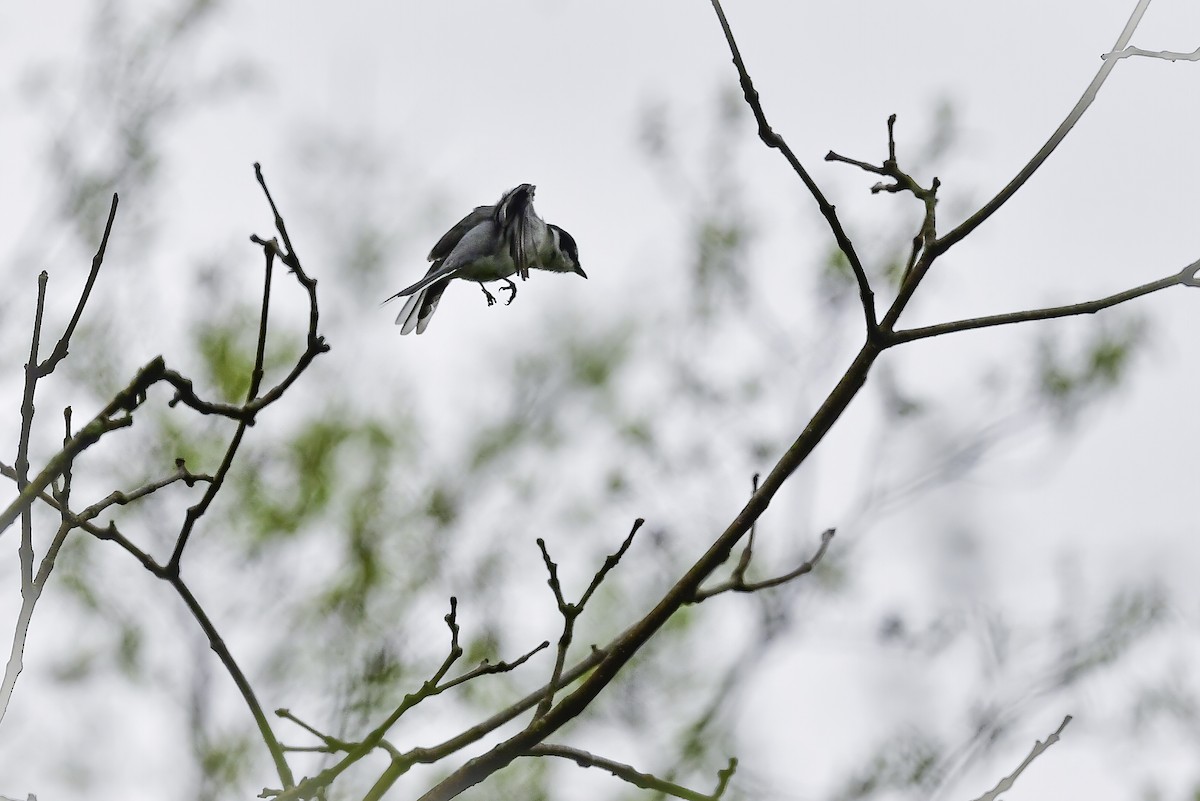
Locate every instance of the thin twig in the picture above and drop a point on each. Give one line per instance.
(738, 583)
(1185, 277)
(430, 754)
(126, 400)
(402, 762)
(571, 612)
(108, 532)
(988, 209)
(60, 349)
(486, 668)
(22, 464)
(195, 512)
(775, 141)
(610, 561)
(1167, 55)
(1007, 782)
(743, 563)
(217, 644)
(31, 586)
(901, 182)
(633, 776)
(330, 744)
(119, 498)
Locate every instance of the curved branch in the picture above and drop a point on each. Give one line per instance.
(1185, 277)
(632, 775)
(217, 644)
(737, 582)
(775, 141)
(952, 238)
(1039, 746)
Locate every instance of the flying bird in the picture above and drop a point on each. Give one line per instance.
(489, 244)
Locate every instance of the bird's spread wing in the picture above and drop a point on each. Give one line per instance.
(452, 237)
(511, 214)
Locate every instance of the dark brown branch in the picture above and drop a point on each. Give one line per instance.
(743, 563)
(108, 532)
(1185, 277)
(119, 498)
(195, 512)
(22, 464)
(60, 350)
(776, 142)
(245, 414)
(486, 668)
(570, 612)
(901, 182)
(217, 644)
(628, 773)
(1007, 782)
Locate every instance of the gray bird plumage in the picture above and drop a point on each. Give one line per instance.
(489, 244)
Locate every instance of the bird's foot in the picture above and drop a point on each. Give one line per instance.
(491, 299)
(512, 291)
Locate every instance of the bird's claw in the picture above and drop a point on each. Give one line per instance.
(491, 299)
(512, 291)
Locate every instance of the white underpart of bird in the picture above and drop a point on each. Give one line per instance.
(489, 244)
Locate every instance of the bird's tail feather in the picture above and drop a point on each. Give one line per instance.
(409, 315)
(419, 308)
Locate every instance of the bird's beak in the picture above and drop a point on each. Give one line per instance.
(579, 270)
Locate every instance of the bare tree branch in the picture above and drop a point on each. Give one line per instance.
(310, 787)
(828, 210)
(737, 582)
(570, 612)
(119, 498)
(1185, 277)
(126, 400)
(1168, 55)
(628, 773)
(902, 182)
(64, 342)
(30, 591)
(1007, 782)
(194, 513)
(217, 644)
(622, 649)
(988, 209)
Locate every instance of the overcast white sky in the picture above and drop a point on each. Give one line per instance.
(471, 97)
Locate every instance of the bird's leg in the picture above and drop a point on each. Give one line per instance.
(512, 289)
(491, 299)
